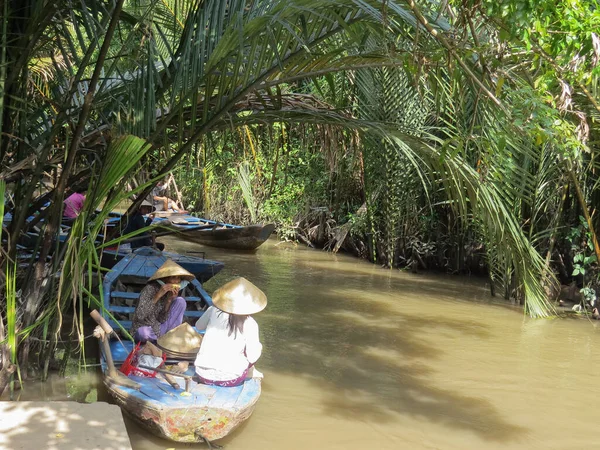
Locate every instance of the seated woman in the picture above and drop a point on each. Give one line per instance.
(161, 201)
(231, 345)
(159, 308)
(73, 205)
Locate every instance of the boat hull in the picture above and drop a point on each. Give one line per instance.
(210, 412)
(203, 269)
(243, 238)
(204, 412)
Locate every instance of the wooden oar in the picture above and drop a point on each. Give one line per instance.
(115, 376)
(188, 378)
(105, 326)
(171, 380)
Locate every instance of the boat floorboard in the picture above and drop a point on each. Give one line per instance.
(157, 389)
(163, 396)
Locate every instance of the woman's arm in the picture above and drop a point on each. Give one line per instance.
(202, 322)
(253, 345)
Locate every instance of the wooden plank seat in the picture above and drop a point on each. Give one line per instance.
(125, 323)
(122, 309)
(122, 286)
(136, 295)
(131, 309)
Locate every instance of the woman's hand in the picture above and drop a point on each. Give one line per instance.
(171, 289)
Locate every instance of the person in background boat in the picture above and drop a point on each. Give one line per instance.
(74, 204)
(161, 201)
(160, 308)
(231, 344)
(138, 221)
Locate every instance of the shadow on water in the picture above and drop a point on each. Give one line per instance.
(368, 342)
(336, 324)
(370, 369)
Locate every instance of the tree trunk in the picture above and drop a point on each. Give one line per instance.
(5, 374)
(586, 214)
(8, 368)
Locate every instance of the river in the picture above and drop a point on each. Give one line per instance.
(359, 357)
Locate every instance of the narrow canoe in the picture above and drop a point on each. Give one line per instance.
(220, 235)
(209, 412)
(203, 269)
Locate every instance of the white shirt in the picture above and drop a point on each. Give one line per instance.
(224, 357)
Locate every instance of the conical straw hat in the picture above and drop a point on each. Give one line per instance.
(182, 339)
(240, 297)
(171, 269)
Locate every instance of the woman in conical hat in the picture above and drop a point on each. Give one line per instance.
(159, 308)
(231, 345)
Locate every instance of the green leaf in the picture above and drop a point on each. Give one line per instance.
(499, 86)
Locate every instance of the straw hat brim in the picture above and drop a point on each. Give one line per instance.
(240, 297)
(182, 341)
(177, 355)
(171, 269)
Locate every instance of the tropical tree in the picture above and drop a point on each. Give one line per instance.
(79, 80)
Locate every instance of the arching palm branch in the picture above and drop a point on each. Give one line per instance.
(173, 71)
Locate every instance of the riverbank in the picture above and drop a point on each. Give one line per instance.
(62, 425)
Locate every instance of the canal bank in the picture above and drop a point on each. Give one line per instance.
(62, 425)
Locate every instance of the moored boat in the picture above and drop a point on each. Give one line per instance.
(203, 269)
(221, 235)
(201, 412)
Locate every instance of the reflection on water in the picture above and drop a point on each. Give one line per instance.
(361, 357)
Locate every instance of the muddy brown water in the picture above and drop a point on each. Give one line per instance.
(359, 357)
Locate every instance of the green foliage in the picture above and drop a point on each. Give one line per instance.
(246, 187)
(283, 207)
(582, 247)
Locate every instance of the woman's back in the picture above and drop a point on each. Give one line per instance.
(225, 355)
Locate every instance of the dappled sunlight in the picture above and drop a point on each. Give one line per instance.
(363, 353)
(61, 426)
(362, 319)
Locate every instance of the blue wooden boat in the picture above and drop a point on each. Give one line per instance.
(223, 235)
(203, 269)
(205, 413)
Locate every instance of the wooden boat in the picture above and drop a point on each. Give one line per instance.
(219, 235)
(203, 269)
(205, 413)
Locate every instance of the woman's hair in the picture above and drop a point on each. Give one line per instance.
(236, 323)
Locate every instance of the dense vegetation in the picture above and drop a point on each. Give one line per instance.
(453, 135)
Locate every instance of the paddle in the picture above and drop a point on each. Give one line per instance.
(115, 376)
(188, 378)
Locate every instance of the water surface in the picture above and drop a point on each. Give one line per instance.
(360, 357)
